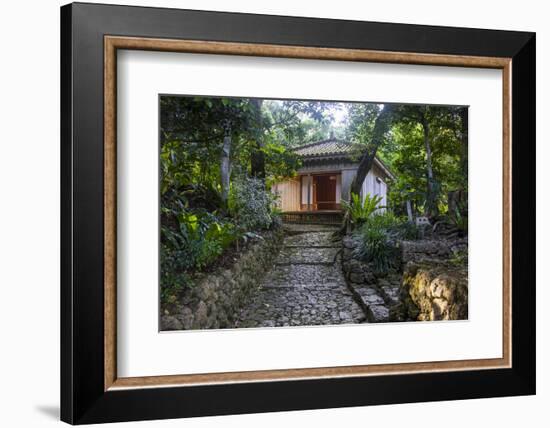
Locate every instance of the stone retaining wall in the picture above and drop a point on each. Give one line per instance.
(215, 299)
(430, 287)
(430, 249)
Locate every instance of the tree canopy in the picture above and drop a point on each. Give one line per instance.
(425, 147)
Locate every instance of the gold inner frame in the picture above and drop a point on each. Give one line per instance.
(113, 43)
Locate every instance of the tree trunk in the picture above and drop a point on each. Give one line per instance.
(257, 158)
(225, 162)
(409, 211)
(381, 127)
(431, 206)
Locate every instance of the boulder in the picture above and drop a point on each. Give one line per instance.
(440, 292)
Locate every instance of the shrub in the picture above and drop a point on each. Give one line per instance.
(378, 237)
(191, 241)
(276, 216)
(359, 211)
(394, 226)
(250, 204)
(377, 249)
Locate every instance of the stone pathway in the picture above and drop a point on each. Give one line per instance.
(305, 285)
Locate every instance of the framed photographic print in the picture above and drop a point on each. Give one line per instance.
(266, 213)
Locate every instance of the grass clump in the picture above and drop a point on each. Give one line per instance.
(378, 240)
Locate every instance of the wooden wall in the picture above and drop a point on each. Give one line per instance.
(289, 195)
(293, 193)
(375, 186)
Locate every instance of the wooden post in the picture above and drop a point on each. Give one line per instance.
(309, 192)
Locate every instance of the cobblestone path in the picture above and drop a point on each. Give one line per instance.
(305, 286)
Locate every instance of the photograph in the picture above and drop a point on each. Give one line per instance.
(290, 212)
(261, 210)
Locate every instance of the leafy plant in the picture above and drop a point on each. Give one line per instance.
(378, 238)
(395, 227)
(377, 249)
(359, 211)
(459, 220)
(250, 204)
(190, 242)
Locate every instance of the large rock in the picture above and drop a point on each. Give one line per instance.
(439, 292)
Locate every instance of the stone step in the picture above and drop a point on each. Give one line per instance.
(378, 313)
(293, 229)
(312, 246)
(372, 303)
(299, 263)
(317, 239)
(299, 255)
(390, 294)
(390, 288)
(304, 274)
(312, 286)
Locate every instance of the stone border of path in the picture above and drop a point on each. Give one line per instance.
(374, 295)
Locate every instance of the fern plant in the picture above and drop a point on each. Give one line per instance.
(359, 211)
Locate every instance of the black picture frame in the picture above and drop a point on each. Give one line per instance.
(83, 399)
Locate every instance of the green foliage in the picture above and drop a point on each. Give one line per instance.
(459, 220)
(190, 241)
(360, 130)
(378, 238)
(199, 239)
(459, 258)
(377, 249)
(295, 123)
(250, 204)
(281, 162)
(196, 227)
(395, 227)
(359, 211)
(404, 152)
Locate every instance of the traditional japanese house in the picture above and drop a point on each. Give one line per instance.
(324, 180)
